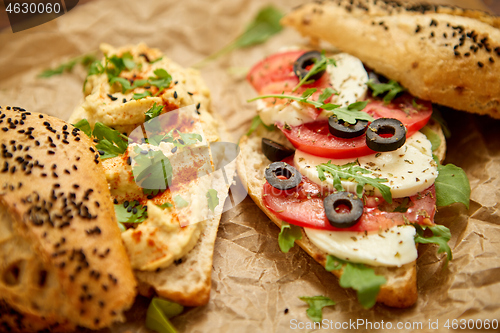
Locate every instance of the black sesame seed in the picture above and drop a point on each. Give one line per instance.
(190, 93)
(480, 64)
(175, 94)
(125, 204)
(113, 98)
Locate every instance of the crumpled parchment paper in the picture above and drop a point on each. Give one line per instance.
(255, 287)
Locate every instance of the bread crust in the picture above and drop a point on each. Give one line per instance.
(62, 261)
(446, 55)
(401, 289)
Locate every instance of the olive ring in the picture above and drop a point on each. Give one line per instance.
(276, 169)
(394, 131)
(345, 130)
(275, 151)
(307, 59)
(340, 219)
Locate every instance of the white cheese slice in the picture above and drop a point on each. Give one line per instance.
(348, 78)
(391, 247)
(409, 169)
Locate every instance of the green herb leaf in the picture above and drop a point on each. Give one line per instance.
(144, 94)
(84, 126)
(153, 170)
(125, 216)
(328, 92)
(153, 112)
(452, 185)
(256, 122)
(111, 142)
(318, 66)
(288, 235)
(166, 205)
(391, 89)
(403, 207)
(264, 25)
(353, 172)
(441, 236)
(438, 117)
(84, 60)
(432, 136)
(128, 61)
(159, 311)
(161, 81)
(352, 113)
(213, 199)
(316, 305)
(360, 278)
(180, 202)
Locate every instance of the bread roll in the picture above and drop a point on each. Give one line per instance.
(446, 55)
(62, 260)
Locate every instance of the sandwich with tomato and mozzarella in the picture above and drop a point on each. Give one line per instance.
(348, 160)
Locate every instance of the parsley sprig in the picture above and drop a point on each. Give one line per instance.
(111, 142)
(353, 172)
(349, 114)
(318, 67)
(85, 60)
(390, 89)
(152, 170)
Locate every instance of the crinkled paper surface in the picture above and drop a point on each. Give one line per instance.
(253, 283)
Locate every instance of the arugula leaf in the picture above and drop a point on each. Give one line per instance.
(264, 25)
(84, 126)
(180, 202)
(159, 311)
(141, 95)
(125, 216)
(213, 199)
(358, 277)
(318, 66)
(391, 89)
(85, 60)
(256, 122)
(452, 185)
(316, 305)
(288, 235)
(441, 236)
(326, 94)
(153, 112)
(111, 142)
(432, 136)
(353, 172)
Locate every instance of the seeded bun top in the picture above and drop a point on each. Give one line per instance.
(61, 255)
(447, 55)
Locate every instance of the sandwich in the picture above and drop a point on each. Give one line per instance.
(62, 260)
(348, 162)
(164, 156)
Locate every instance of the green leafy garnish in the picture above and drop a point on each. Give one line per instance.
(452, 185)
(440, 236)
(403, 207)
(316, 305)
(125, 216)
(142, 95)
(153, 112)
(180, 202)
(153, 170)
(166, 205)
(110, 141)
(84, 60)
(263, 26)
(358, 277)
(438, 117)
(256, 122)
(318, 66)
(432, 136)
(288, 235)
(159, 311)
(353, 172)
(161, 81)
(391, 89)
(213, 199)
(347, 114)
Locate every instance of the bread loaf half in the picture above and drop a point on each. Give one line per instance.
(62, 260)
(446, 55)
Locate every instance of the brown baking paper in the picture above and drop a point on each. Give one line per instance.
(255, 287)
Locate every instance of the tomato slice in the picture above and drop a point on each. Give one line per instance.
(303, 206)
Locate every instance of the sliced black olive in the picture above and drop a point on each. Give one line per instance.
(385, 134)
(276, 169)
(342, 129)
(304, 61)
(275, 151)
(335, 212)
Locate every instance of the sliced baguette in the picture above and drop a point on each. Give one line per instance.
(401, 288)
(446, 55)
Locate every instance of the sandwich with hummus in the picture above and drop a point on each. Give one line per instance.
(161, 147)
(348, 162)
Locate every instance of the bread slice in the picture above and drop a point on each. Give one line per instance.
(401, 288)
(446, 55)
(62, 261)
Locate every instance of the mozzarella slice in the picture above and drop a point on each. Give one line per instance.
(409, 169)
(348, 78)
(391, 247)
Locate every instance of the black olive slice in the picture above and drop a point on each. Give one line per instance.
(276, 169)
(385, 134)
(304, 61)
(336, 214)
(341, 129)
(275, 151)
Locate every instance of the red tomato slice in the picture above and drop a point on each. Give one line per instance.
(303, 206)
